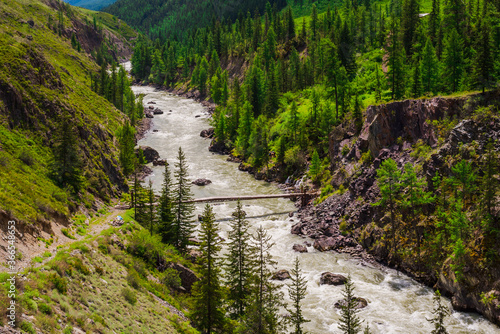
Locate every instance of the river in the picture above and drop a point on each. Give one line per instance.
(396, 303)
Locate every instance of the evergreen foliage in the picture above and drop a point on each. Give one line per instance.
(349, 320)
(297, 292)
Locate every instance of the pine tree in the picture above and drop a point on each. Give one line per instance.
(67, 164)
(207, 312)
(396, 63)
(415, 197)
(265, 299)
(297, 292)
(126, 139)
(389, 183)
(244, 130)
(315, 165)
(165, 208)
(240, 264)
(483, 62)
(416, 87)
(429, 67)
(409, 23)
(151, 208)
(441, 312)
(182, 228)
(453, 60)
(349, 321)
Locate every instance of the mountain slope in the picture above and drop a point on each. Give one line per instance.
(42, 80)
(173, 18)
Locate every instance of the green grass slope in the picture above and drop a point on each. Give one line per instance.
(42, 77)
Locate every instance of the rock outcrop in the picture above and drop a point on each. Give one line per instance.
(332, 279)
(150, 154)
(187, 276)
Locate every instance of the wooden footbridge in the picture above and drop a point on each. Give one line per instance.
(305, 197)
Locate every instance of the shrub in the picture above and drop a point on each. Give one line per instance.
(59, 282)
(26, 157)
(37, 259)
(345, 149)
(31, 304)
(133, 279)
(28, 327)
(343, 227)
(140, 268)
(103, 248)
(171, 278)
(68, 330)
(67, 233)
(44, 308)
(129, 295)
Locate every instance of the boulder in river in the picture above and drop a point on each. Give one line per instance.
(299, 248)
(159, 162)
(151, 107)
(148, 115)
(361, 303)
(150, 154)
(201, 182)
(158, 111)
(151, 102)
(332, 279)
(281, 275)
(208, 133)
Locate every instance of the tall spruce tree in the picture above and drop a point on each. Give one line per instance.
(265, 299)
(240, 264)
(183, 225)
(429, 68)
(349, 320)
(440, 313)
(207, 313)
(453, 60)
(297, 292)
(126, 139)
(166, 215)
(67, 164)
(389, 183)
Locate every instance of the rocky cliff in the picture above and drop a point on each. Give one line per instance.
(433, 135)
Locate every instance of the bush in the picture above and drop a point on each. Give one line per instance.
(59, 282)
(171, 278)
(27, 327)
(129, 295)
(133, 279)
(67, 233)
(68, 330)
(26, 157)
(31, 305)
(44, 308)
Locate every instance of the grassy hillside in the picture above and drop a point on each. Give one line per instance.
(42, 78)
(95, 285)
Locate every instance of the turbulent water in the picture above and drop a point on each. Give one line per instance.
(396, 303)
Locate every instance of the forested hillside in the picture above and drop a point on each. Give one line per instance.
(171, 19)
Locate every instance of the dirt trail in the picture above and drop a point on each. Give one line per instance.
(95, 227)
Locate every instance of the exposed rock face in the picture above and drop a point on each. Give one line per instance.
(188, 277)
(281, 275)
(201, 182)
(362, 303)
(299, 248)
(160, 162)
(332, 279)
(390, 131)
(150, 154)
(208, 133)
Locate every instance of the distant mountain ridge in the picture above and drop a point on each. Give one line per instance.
(91, 4)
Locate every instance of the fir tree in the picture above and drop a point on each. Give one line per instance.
(453, 60)
(315, 165)
(183, 211)
(166, 215)
(349, 321)
(396, 63)
(67, 164)
(126, 139)
(441, 312)
(265, 299)
(207, 312)
(151, 208)
(240, 263)
(297, 292)
(389, 183)
(483, 62)
(429, 67)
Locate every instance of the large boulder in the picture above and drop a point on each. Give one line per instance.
(324, 244)
(150, 154)
(332, 279)
(299, 248)
(187, 276)
(361, 303)
(201, 182)
(281, 275)
(208, 133)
